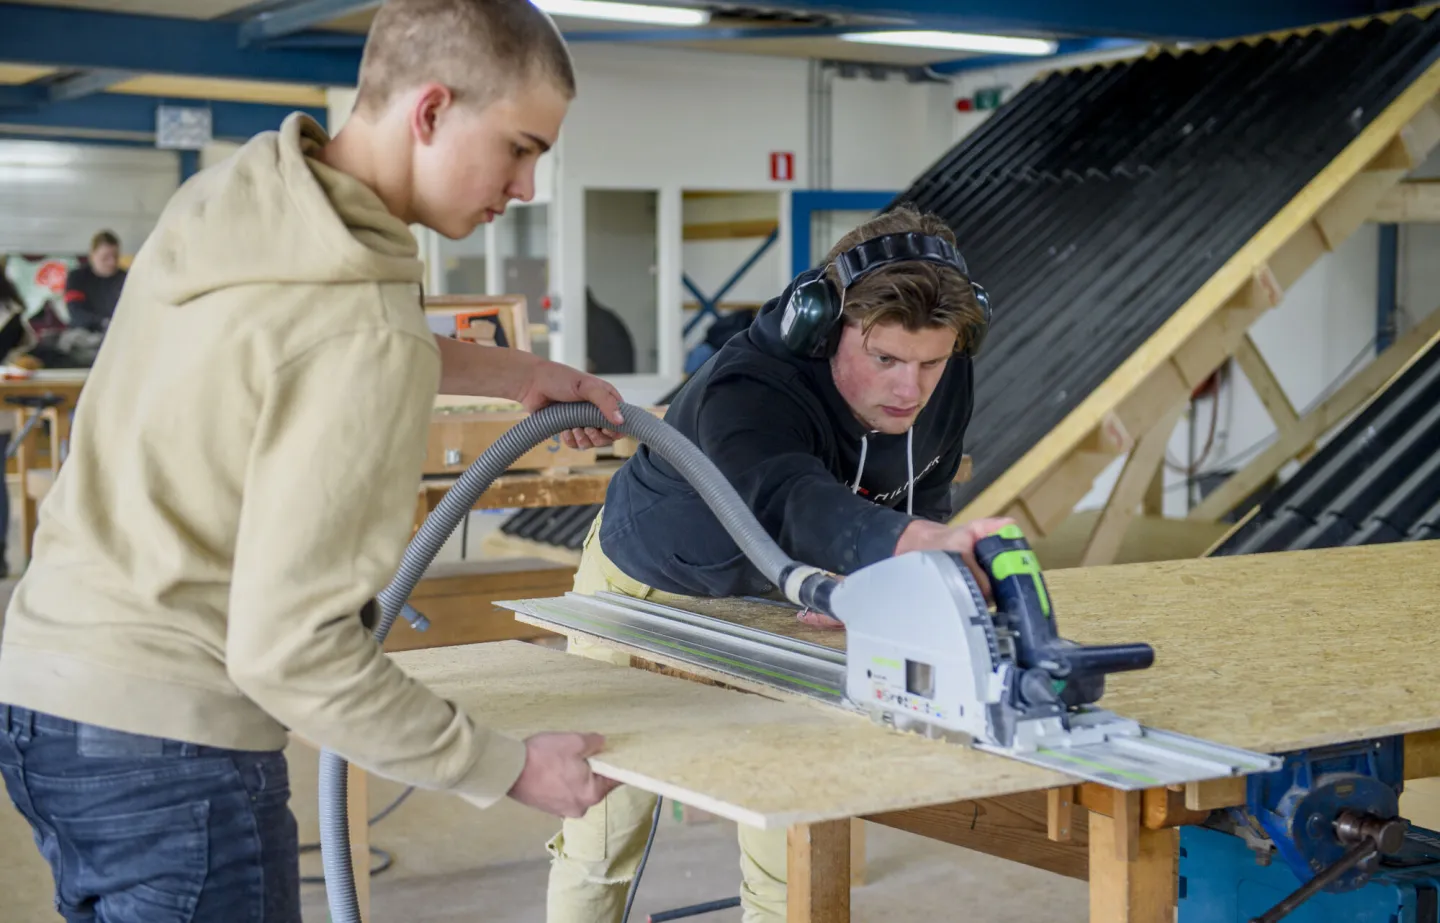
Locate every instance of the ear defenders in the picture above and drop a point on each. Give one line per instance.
(811, 323)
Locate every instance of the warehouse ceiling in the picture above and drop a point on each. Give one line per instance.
(284, 52)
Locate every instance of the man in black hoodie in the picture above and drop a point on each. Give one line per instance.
(842, 439)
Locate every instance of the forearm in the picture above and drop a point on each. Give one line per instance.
(484, 371)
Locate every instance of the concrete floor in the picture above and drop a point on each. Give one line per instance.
(454, 863)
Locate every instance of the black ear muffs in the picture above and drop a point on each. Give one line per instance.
(811, 324)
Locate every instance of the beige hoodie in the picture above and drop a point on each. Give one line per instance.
(242, 481)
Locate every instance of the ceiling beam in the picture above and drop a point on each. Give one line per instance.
(292, 18)
(133, 115)
(94, 39)
(97, 81)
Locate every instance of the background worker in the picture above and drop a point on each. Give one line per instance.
(839, 416)
(92, 290)
(208, 558)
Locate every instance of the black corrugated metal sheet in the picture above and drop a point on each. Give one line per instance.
(1377, 480)
(1097, 201)
(563, 526)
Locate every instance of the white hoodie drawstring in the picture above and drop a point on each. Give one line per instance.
(910, 471)
(864, 445)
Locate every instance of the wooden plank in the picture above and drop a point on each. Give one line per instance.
(530, 489)
(1060, 814)
(1412, 202)
(458, 599)
(456, 439)
(857, 852)
(818, 873)
(1129, 489)
(1212, 795)
(1362, 387)
(731, 230)
(1422, 755)
(1014, 827)
(1267, 387)
(1287, 241)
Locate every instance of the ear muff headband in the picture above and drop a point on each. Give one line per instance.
(811, 324)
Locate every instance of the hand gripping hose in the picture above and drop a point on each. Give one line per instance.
(804, 585)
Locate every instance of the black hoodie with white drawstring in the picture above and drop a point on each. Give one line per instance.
(829, 490)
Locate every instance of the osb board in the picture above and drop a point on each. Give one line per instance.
(751, 759)
(1273, 652)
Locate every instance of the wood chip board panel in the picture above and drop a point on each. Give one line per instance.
(1270, 652)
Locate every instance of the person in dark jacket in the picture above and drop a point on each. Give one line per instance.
(843, 439)
(93, 290)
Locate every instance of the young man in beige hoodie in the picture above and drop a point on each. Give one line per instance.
(241, 484)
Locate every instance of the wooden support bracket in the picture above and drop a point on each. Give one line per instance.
(1060, 814)
(1129, 490)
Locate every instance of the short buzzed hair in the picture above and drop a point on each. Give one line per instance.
(480, 49)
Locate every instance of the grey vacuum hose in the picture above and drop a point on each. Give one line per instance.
(804, 585)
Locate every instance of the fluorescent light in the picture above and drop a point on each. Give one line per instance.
(625, 12)
(957, 41)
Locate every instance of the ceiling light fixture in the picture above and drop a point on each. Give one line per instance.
(957, 41)
(625, 12)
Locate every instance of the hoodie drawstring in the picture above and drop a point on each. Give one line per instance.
(909, 468)
(910, 471)
(864, 445)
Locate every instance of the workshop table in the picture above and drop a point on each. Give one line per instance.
(1264, 652)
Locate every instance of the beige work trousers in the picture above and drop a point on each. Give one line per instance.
(594, 858)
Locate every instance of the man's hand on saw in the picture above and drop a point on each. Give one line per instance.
(557, 778)
(923, 535)
(552, 382)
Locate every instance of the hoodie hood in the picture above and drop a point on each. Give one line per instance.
(205, 240)
(764, 335)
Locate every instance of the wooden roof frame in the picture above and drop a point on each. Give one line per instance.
(1134, 410)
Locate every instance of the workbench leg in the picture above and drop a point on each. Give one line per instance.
(1134, 871)
(358, 811)
(857, 852)
(818, 873)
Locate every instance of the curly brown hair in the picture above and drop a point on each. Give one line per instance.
(917, 295)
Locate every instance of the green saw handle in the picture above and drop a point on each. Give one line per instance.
(1023, 600)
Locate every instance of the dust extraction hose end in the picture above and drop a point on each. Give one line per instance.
(535, 429)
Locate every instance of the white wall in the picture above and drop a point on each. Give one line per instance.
(54, 196)
(669, 120)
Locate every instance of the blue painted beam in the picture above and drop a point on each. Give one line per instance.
(297, 17)
(805, 202)
(116, 112)
(93, 39)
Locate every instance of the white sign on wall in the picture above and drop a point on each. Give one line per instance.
(182, 128)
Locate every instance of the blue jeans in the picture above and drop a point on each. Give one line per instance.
(145, 830)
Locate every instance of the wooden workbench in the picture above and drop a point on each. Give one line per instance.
(1273, 653)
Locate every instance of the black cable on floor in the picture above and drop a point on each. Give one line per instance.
(386, 860)
(644, 858)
